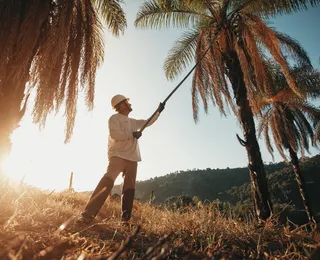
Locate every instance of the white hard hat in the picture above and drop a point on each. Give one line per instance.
(117, 99)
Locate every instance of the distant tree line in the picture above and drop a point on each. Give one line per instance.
(232, 186)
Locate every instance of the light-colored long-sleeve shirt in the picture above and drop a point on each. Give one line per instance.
(121, 142)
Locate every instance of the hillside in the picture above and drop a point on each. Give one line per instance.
(207, 184)
(36, 224)
(232, 185)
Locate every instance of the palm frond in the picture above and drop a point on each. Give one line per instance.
(240, 6)
(209, 80)
(308, 80)
(268, 141)
(214, 87)
(306, 129)
(257, 63)
(306, 77)
(195, 97)
(201, 80)
(21, 28)
(294, 49)
(312, 112)
(56, 46)
(272, 8)
(276, 134)
(181, 55)
(293, 124)
(77, 54)
(112, 14)
(264, 119)
(268, 38)
(163, 14)
(217, 87)
(219, 78)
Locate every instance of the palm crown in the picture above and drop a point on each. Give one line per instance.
(221, 30)
(292, 120)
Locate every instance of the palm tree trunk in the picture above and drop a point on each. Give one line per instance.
(259, 187)
(301, 184)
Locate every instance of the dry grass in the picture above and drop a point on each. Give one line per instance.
(31, 228)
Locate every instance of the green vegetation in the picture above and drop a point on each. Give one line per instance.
(232, 185)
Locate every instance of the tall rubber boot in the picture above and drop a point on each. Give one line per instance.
(127, 204)
(98, 198)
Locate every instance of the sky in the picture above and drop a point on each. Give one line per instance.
(133, 66)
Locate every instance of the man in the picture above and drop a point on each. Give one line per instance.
(123, 155)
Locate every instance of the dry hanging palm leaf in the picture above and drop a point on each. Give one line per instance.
(54, 46)
(59, 73)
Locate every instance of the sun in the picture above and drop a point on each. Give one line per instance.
(17, 164)
(38, 157)
(42, 159)
(13, 170)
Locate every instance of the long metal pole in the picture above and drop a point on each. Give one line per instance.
(175, 89)
(180, 83)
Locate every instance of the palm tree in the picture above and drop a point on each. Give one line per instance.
(291, 120)
(226, 39)
(54, 47)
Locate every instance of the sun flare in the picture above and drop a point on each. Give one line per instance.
(34, 156)
(15, 171)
